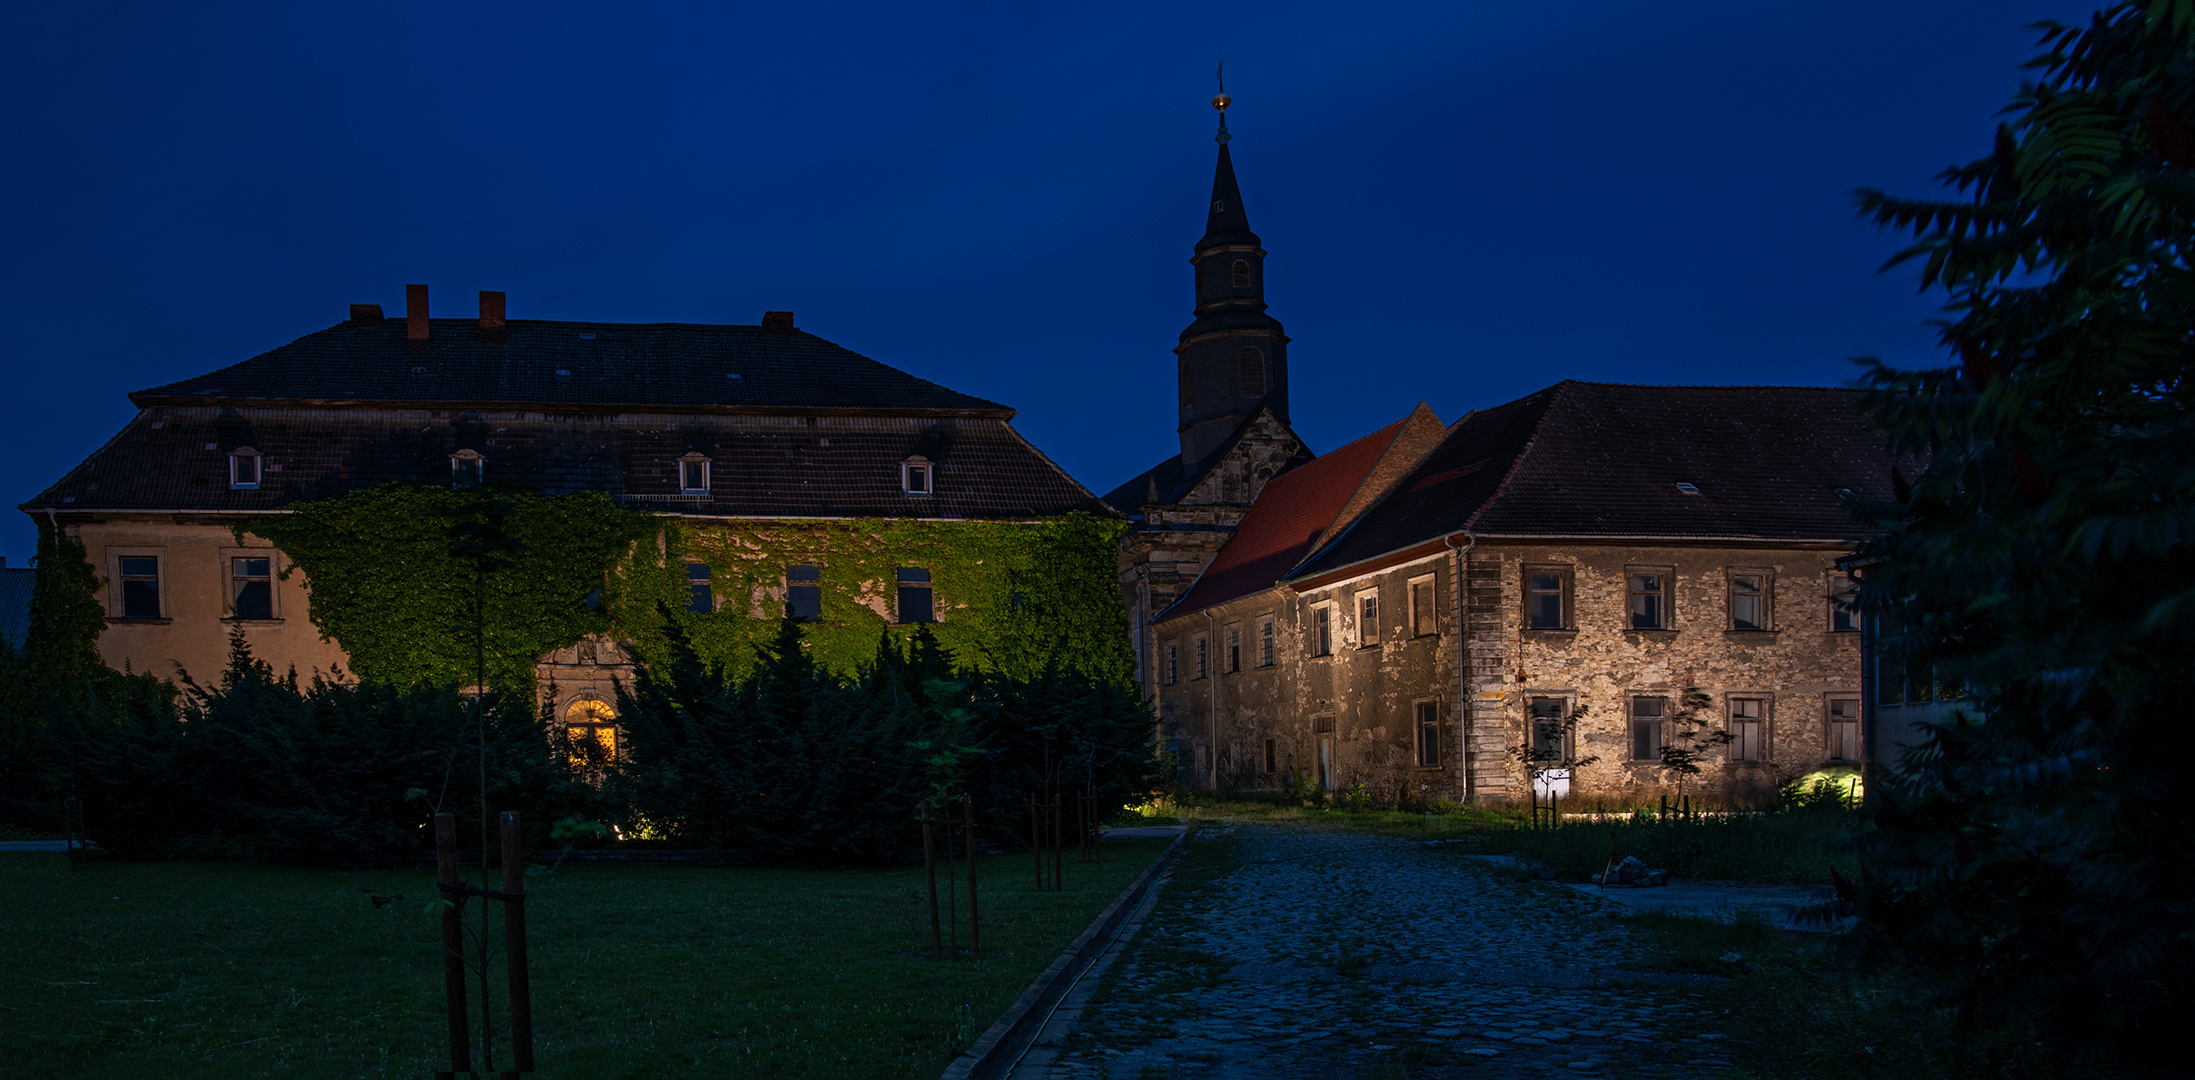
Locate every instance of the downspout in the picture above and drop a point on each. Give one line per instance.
(1463, 663)
(1211, 676)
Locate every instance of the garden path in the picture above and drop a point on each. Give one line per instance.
(1288, 952)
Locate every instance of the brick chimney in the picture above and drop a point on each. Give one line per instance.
(777, 322)
(491, 317)
(415, 319)
(366, 314)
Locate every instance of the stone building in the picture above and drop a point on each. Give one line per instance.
(1579, 578)
(1232, 417)
(702, 423)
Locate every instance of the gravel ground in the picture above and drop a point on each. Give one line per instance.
(1293, 952)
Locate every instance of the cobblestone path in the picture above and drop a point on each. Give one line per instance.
(1291, 952)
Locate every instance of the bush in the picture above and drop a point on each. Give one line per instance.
(1799, 842)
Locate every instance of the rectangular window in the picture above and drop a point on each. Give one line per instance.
(1748, 729)
(693, 477)
(1749, 594)
(140, 586)
(1368, 619)
(1844, 729)
(1232, 659)
(1646, 727)
(804, 592)
(1428, 734)
(1200, 648)
(1649, 601)
(244, 470)
(699, 599)
(251, 588)
(1322, 630)
(1844, 604)
(1424, 616)
(914, 476)
(1172, 664)
(1272, 757)
(1547, 598)
(1265, 642)
(1889, 679)
(916, 605)
(1550, 733)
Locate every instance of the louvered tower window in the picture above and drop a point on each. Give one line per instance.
(1242, 274)
(1252, 362)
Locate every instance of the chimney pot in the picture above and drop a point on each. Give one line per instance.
(777, 322)
(491, 317)
(365, 314)
(415, 319)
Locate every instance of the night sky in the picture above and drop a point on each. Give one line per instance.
(1463, 201)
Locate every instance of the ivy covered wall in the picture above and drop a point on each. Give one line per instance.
(385, 583)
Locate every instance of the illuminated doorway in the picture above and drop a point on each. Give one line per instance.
(590, 731)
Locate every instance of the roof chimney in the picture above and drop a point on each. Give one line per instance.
(365, 314)
(491, 317)
(777, 322)
(415, 319)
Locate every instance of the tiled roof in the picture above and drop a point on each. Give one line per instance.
(1164, 477)
(582, 365)
(176, 458)
(1289, 515)
(1604, 460)
(15, 590)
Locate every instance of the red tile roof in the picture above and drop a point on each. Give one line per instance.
(1288, 517)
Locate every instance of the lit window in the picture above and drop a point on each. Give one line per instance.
(915, 476)
(1649, 601)
(590, 733)
(1368, 619)
(1429, 734)
(1749, 594)
(693, 475)
(468, 468)
(1547, 598)
(1646, 727)
(1252, 364)
(804, 592)
(244, 468)
(916, 605)
(1748, 729)
(140, 576)
(251, 587)
(1844, 729)
(1242, 274)
(699, 599)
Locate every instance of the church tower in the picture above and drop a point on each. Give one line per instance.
(1234, 357)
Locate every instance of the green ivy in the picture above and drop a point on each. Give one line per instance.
(1015, 597)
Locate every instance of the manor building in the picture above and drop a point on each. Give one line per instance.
(1546, 593)
(764, 425)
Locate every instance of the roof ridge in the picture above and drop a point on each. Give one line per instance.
(1531, 442)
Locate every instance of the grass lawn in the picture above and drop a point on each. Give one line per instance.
(188, 970)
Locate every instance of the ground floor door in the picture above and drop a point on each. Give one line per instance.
(1327, 778)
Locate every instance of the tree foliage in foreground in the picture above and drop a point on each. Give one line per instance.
(2037, 864)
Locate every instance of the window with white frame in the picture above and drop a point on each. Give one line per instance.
(1265, 641)
(251, 587)
(1748, 729)
(917, 476)
(1750, 594)
(693, 474)
(1368, 618)
(1844, 728)
(138, 581)
(244, 468)
(1424, 608)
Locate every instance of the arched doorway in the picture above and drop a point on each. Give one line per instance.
(590, 729)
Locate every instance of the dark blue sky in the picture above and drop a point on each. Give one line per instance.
(1463, 201)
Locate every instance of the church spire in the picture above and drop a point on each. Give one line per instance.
(1233, 359)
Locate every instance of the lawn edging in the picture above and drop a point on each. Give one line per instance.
(994, 1052)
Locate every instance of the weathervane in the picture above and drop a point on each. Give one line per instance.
(1221, 102)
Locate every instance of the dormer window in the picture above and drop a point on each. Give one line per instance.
(468, 468)
(1252, 363)
(693, 475)
(244, 468)
(1242, 274)
(915, 476)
